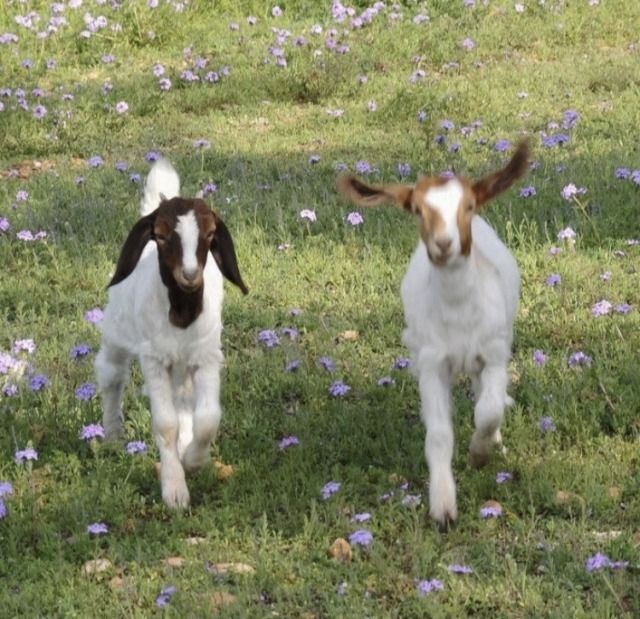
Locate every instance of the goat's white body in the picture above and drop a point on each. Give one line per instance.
(460, 319)
(181, 367)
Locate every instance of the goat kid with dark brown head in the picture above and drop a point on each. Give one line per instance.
(165, 309)
(460, 299)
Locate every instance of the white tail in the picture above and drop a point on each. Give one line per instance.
(163, 183)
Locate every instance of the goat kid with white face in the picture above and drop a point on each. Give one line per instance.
(165, 309)
(460, 296)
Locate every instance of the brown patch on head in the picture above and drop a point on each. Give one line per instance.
(466, 210)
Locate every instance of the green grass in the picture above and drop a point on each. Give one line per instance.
(264, 123)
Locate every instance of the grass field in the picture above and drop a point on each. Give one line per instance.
(261, 108)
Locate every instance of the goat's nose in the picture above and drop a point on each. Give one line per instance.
(190, 274)
(443, 245)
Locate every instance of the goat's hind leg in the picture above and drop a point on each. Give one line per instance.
(490, 388)
(112, 372)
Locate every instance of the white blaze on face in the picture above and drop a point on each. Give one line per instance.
(187, 229)
(445, 199)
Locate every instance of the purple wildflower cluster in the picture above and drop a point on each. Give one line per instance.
(92, 432)
(424, 587)
(600, 561)
(329, 489)
(361, 537)
(136, 447)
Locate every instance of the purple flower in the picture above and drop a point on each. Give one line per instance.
(401, 363)
(97, 528)
(447, 125)
(503, 477)
(108, 58)
(546, 424)
(308, 214)
(553, 280)
(570, 119)
(122, 107)
(22, 455)
(363, 167)
(209, 188)
(622, 173)
(490, 511)
(269, 338)
(421, 116)
(579, 358)
(361, 537)
(411, 500)
(601, 308)
(6, 487)
(136, 447)
(94, 315)
(338, 389)
(355, 218)
(539, 358)
(134, 177)
(121, 166)
(385, 381)
(468, 44)
(502, 145)
(9, 390)
(362, 517)
(404, 169)
(252, 20)
(288, 441)
(635, 177)
(425, 587)
(570, 191)
(327, 364)
(95, 162)
(372, 106)
(527, 192)
(164, 83)
(4, 224)
(622, 308)
(39, 111)
(597, 562)
(85, 392)
(3, 510)
(329, 489)
(91, 431)
(290, 332)
(201, 143)
(456, 568)
(292, 366)
(21, 195)
(26, 345)
(38, 382)
(158, 70)
(276, 11)
(313, 159)
(567, 234)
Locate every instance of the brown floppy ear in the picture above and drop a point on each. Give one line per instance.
(490, 186)
(224, 254)
(140, 235)
(373, 195)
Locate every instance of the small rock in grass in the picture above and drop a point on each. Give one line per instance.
(348, 336)
(340, 550)
(174, 561)
(227, 568)
(223, 471)
(219, 599)
(96, 566)
(194, 541)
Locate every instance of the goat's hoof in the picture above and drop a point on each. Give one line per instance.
(175, 495)
(478, 459)
(444, 519)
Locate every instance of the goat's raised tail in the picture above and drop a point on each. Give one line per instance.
(163, 183)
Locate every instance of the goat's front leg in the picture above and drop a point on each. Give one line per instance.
(112, 372)
(207, 414)
(438, 446)
(491, 399)
(165, 424)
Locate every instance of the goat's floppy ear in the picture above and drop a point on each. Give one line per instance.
(131, 251)
(224, 254)
(373, 195)
(490, 186)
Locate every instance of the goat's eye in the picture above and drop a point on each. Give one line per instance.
(210, 235)
(161, 238)
(469, 208)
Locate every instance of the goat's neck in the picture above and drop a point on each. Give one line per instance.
(456, 283)
(185, 307)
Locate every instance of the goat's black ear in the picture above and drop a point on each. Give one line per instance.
(225, 255)
(140, 235)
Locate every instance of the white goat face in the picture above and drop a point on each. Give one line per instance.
(446, 206)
